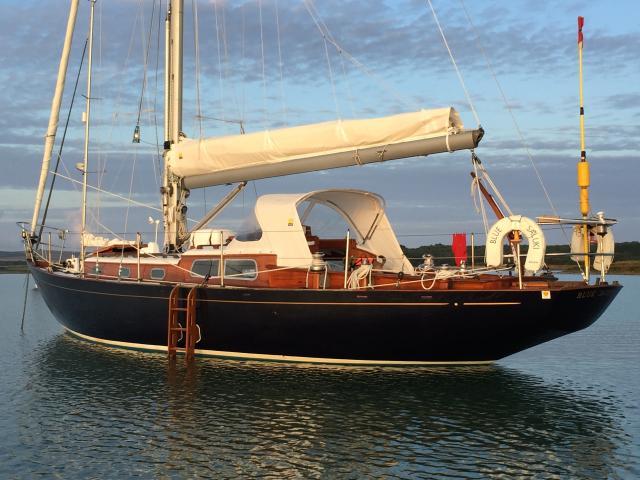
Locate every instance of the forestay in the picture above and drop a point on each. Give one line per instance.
(321, 146)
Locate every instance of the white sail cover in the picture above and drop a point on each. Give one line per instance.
(215, 161)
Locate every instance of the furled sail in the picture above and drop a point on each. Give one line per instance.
(341, 143)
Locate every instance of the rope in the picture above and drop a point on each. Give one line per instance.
(455, 65)
(359, 274)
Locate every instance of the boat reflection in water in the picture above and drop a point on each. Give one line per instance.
(125, 411)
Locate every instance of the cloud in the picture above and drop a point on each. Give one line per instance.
(406, 66)
(622, 101)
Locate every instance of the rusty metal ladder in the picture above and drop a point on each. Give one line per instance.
(175, 331)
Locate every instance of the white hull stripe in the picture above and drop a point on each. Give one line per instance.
(274, 358)
(490, 304)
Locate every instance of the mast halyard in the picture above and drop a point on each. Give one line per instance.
(174, 194)
(85, 164)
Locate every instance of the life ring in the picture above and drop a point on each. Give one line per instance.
(530, 229)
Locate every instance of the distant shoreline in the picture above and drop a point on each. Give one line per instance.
(623, 267)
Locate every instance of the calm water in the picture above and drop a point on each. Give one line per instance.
(568, 409)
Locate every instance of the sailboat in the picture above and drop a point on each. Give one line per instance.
(278, 291)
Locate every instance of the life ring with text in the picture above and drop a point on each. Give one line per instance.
(531, 231)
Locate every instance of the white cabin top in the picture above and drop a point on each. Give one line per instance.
(281, 228)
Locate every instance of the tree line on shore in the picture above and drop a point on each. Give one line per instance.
(442, 253)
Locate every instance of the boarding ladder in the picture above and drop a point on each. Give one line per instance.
(175, 330)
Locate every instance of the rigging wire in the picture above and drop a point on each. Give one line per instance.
(220, 70)
(146, 48)
(155, 93)
(227, 68)
(326, 34)
(106, 192)
(508, 107)
(97, 107)
(264, 77)
(133, 171)
(348, 83)
(242, 107)
(479, 201)
(333, 83)
(523, 141)
(119, 99)
(224, 69)
(455, 65)
(196, 41)
(64, 136)
(280, 65)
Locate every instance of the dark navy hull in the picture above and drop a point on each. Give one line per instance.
(328, 325)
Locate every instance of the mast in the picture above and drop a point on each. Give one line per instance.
(174, 193)
(583, 165)
(167, 69)
(55, 112)
(176, 24)
(85, 164)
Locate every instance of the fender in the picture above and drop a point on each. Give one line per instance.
(529, 229)
(606, 244)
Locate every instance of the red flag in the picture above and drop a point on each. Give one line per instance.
(459, 247)
(580, 25)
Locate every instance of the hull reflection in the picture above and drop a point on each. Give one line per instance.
(227, 418)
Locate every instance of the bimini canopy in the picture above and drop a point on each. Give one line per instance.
(307, 148)
(283, 231)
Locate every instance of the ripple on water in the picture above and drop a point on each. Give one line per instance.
(71, 409)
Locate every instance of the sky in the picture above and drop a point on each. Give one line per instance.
(265, 63)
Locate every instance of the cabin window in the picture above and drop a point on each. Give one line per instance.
(124, 272)
(249, 230)
(325, 221)
(157, 273)
(96, 269)
(203, 268)
(240, 269)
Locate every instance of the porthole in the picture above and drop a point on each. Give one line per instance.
(157, 273)
(124, 272)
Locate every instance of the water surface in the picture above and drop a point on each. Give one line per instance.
(69, 409)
